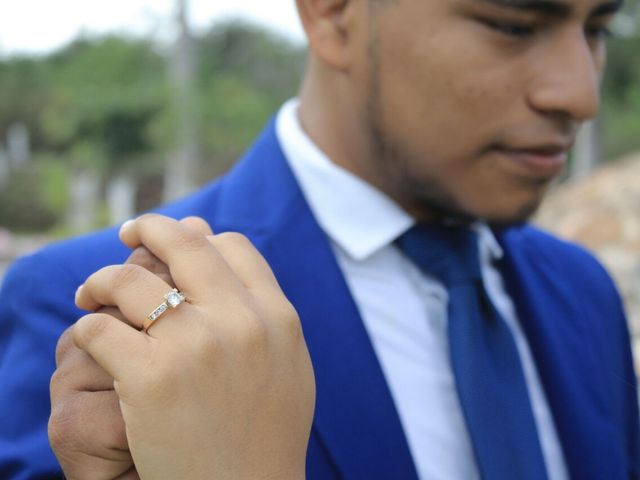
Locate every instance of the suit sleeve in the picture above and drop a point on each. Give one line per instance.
(618, 358)
(629, 397)
(36, 306)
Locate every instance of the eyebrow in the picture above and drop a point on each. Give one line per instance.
(555, 8)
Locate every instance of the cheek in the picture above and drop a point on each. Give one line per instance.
(447, 93)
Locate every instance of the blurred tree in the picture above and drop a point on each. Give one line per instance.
(104, 103)
(245, 73)
(23, 86)
(25, 202)
(268, 63)
(102, 96)
(621, 88)
(102, 106)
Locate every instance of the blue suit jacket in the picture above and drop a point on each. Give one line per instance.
(568, 306)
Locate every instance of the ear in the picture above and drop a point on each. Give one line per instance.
(329, 27)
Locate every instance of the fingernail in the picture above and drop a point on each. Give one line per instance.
(126, 225)
(78, 293)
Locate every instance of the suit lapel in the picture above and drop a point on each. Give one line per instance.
(556, 330)
(355, 415)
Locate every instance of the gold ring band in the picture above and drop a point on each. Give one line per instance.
(171, 300)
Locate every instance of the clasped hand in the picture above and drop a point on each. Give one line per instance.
(220, 387)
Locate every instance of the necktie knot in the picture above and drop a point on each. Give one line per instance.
(448, 253)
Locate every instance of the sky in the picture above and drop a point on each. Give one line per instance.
(39, 26)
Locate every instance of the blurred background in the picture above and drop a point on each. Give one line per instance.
(110, 108)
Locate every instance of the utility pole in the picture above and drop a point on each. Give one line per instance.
(183, 165)
(586, 151)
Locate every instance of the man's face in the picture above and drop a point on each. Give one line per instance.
(472, 104)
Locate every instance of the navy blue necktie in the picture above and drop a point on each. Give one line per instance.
(489, 377)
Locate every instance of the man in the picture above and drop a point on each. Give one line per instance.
(440, 112)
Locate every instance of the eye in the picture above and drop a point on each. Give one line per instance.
(511, 29)
(599, 32)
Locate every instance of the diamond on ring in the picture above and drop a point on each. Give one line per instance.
(172, 300)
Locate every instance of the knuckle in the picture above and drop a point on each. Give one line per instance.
(125, 275)
(96, 327)
(233, 237)
(289, 319)
(253, 330)
(158, 383)
(64, 345)
(88, 328)
(76, 426)
(143, 257)
(57, 383)
(147, 218)
(198, 223)
(190, 241)
(62, 427)
(146, 221)
(56, 435)
(208, 345)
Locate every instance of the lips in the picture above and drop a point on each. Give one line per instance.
(544, 161)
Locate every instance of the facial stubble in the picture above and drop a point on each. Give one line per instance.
(423, 196)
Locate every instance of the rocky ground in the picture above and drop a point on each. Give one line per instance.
(603, 213)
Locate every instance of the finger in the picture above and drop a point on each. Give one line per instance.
(196, 267)
(247, 263)
(116, 313)
(198, 224)
(78, 372)
(87, 434)
(107, 340)
(91, 420)
(131, 474)
(143, 257)
(254, 271)
(64, 346)
(135, 291)
(109, 310)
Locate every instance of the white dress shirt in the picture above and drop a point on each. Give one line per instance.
(405, 311)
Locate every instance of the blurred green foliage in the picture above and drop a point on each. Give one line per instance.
(28, 203)
(621, 86)
(105, 104)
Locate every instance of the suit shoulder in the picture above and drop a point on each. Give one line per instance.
(562, 256)
(80, 256)
(568, 265)
(74, 258)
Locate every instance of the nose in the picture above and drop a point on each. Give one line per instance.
(567, 78)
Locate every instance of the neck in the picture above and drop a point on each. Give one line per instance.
(332, 117)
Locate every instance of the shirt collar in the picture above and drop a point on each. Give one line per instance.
(490, 249)
(356, 216)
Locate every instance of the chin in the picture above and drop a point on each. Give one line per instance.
(430, 201)
(501, 216)
(512, 217)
